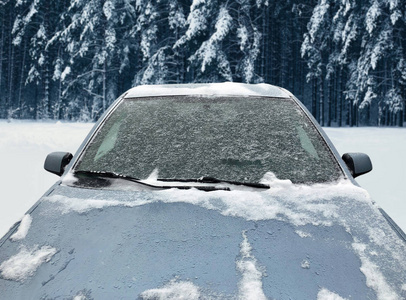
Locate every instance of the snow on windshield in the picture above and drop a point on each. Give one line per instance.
(230, 138)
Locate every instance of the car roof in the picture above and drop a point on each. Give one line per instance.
(224, 89)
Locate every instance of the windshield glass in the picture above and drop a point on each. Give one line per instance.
(229, 138)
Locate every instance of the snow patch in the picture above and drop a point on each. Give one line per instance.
(82, 295)
(305, 264)
(67, 205)
(303, 234)
(374, 277)
(24, 264)
(173, 290)
(270, 179)
(325, 294)
(153, 176)
(65, 73)
(22, 229)
(250, 286)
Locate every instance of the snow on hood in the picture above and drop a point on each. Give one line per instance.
(22, 231)
(250, 285)
(325, 294)
(24, 264)
(341, 203)
(299, 204)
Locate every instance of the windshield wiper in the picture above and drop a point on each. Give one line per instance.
(209, 179)
(113, 175)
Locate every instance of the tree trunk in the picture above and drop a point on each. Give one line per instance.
(20, 102)
(321, 101)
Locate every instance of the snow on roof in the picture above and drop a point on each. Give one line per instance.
(225, 89)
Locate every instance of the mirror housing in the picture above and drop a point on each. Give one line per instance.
(57, 161)
(357, 163)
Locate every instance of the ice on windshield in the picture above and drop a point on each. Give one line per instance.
(229, 138)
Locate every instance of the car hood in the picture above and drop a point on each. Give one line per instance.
(290, 242)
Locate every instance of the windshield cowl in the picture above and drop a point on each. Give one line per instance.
(103, 179)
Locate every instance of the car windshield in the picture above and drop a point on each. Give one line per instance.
(230, 138)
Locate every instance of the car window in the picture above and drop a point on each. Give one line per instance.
(229, 138)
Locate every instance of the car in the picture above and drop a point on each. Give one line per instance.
(205, 191)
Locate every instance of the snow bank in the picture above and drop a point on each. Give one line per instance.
(386, 148)
(22, 229)
(23, 148)
(24, 264)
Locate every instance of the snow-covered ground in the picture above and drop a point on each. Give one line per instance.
(24, 146)
(386, 147)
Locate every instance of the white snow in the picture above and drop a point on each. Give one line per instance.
(303, 234)
(305, 264)
(226, 88)
(374, 278)
(22, 231)
(296, 204)
(325, 294)
(80, 296)
(66, 205)
(24, 264)
(250, 286)
(173, 290)
(23, 148)
(386, 148)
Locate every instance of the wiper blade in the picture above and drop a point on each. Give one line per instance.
(113, 175)
(209, 179)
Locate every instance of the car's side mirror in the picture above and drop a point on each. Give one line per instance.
(357, 163)
(57, 161)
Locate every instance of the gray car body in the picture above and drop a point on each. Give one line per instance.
(324, 240)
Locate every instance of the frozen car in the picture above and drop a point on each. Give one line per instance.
(209, 191)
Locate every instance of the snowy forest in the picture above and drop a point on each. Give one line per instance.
(70, 59)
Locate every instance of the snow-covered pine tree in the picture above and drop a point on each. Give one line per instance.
(314, 50)
(34, 25)
(250, 40)
(96, 53)
(160, 24)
